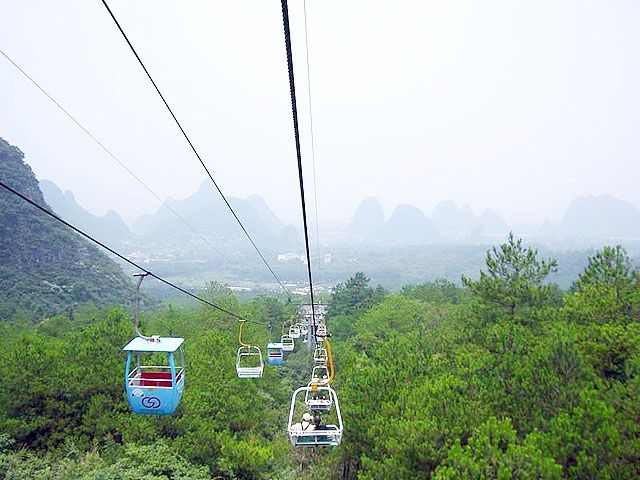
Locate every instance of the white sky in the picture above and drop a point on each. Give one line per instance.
(511, 105)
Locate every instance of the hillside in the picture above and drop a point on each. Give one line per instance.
(44, 267)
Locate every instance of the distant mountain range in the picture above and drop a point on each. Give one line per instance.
(204, 211)
(409, 225)
(208, 214)
(590, 217)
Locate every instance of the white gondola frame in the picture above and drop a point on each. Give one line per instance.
(320, 374)
(320, 356)
(294, 331)
(314, 402)
(249, 372)
(330, 436)
(287, 343)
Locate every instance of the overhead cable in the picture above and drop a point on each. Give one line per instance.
(313, 149)
(294, 108)
(194, 148)
(101, 145)
(122, 257)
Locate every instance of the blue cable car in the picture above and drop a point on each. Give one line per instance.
(275, 354)
(154, 389)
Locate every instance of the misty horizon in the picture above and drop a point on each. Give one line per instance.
(524, 217)
(330, 225)
(486, 112)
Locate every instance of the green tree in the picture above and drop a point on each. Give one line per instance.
(355, 296)
(586, 441)
(513, 283)
(440, 291)
(349, 301)
(607, 291)
(494, 452)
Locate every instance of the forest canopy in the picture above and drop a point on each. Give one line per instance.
(506, 376)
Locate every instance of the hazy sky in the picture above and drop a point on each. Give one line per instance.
(511, 105)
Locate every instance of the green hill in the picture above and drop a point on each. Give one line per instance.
(46, 268)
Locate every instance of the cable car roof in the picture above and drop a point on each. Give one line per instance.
(164, 344)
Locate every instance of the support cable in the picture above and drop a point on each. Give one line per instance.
(194, 148)
(313, 150)
(294, 109)
(108, 152)
(122, 257)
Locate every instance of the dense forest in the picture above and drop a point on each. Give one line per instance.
(504, 377)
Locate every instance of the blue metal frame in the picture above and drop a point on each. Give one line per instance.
(154, 400)
(275, 349)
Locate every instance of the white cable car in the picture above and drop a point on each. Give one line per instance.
(315, 436)
(317, 399)
(304, 329)
(287, 343)
(320, 374)
(321, 332)
(294, 331)
(249, 363)
(320, 356)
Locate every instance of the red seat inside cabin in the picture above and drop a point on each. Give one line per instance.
(156, 379)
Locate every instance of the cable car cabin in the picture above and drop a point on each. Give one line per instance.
(320, 336)
(318, 399)
(287, 343)
(154, 387)
(320, 374)
(321, 331)
(294, 331)
(328, 435)
(320, 356)
(304, 329)
(249, 362)
(275, 354)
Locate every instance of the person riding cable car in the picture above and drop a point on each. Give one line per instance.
(305, 424)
